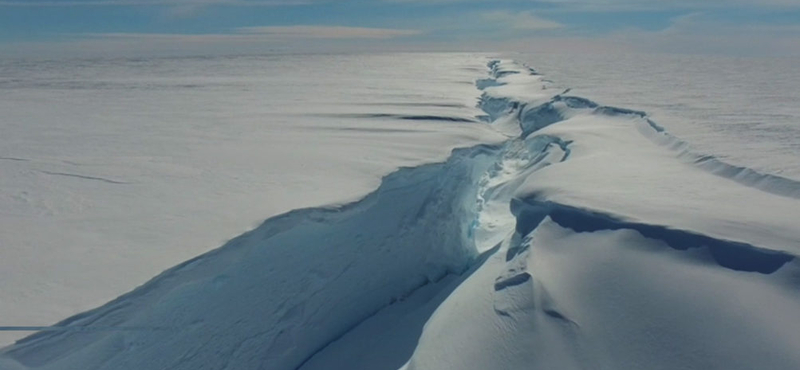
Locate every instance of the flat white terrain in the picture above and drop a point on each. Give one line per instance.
(114, 170)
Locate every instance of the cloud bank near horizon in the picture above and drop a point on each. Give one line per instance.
(110, 27)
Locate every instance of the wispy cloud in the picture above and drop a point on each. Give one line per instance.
(700, 23)
(745, 26)
(664, 5)
(238, 41)
(566, 5)
(76, 3)
(526, 20)
(698, 33)
(267, 33)
(328, 32)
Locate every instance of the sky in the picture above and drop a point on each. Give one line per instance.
(195, 27)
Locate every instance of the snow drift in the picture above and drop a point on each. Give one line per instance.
(589, 239)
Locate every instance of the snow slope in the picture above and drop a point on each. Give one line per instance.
(590, 238)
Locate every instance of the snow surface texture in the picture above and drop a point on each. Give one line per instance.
(589, 239)
(742, 110)
(114, 170)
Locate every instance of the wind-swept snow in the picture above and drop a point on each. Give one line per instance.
(611, 299)
(742, 110)
(115, 170)
(590, 238)
(626, 255)
(643, 184)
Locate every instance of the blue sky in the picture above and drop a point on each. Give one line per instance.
(109, 27)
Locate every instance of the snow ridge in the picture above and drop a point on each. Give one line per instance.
(612, 278)
(534, 115)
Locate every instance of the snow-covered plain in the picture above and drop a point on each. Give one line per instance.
(563, 233)
(114, 170)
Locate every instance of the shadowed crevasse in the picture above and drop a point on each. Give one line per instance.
(732, 255)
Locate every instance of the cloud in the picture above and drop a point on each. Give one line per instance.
(698, 33)
(259, 34)
(254, 40)
(600, 6)
(182, 3)
(237, 41)
(520, 21)
(564, 5)
(328, 32)
(700, 23)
